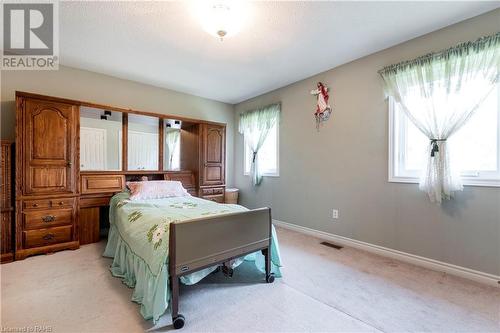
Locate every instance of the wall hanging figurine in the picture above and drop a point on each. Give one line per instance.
(323, 109)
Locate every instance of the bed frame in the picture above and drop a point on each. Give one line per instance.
(204, 242)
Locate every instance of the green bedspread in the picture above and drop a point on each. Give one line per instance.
(138, 243)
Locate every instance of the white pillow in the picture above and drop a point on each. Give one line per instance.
(156, 189)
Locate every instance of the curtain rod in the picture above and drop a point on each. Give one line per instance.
(263, 107)
(476, 45)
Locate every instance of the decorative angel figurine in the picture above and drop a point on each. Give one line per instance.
(323, 109)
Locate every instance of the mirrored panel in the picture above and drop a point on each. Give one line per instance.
(172, 144)
(100, 140)
(142, 151)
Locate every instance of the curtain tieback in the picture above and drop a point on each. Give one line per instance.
(435, 147)
(254, 156)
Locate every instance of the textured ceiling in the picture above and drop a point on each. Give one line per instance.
(163, 44)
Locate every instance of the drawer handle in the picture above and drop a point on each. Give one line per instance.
(48, 218)
(48, 237)
(61, 203)
(35, 205)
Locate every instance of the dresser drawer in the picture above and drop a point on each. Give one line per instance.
(102, 183)
(94, 202)
(48, 203)
(219, 190)
(211, 191)
(62, 203)
(206, 191)
(47, 218)
(42, 237)
(215, 198)
(35, 204)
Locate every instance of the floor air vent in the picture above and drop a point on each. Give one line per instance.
(338, 247)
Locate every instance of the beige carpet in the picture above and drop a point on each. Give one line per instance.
(323, 289)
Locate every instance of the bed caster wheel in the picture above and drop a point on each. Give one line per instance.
(178, 321)
(228, 271)
(270, 278)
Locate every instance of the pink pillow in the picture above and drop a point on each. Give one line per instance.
(156, 189)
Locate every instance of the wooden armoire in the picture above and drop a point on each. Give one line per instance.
(58, 206)
(203, 152)
(47, 176)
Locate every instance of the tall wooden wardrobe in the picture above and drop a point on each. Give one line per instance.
(203, 152)
(47, 176)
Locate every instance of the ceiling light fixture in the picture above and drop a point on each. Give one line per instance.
(222, 19)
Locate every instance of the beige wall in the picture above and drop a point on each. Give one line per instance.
(344, 166)
(93, 87)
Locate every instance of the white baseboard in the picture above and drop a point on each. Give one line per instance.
(436, 265)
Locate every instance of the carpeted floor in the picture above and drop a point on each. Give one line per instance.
(323, 289)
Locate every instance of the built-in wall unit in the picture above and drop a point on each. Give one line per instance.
(73, 156)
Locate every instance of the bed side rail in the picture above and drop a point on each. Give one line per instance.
(203, 242)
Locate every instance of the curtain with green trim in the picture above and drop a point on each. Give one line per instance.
(439, 93)
(255, 126)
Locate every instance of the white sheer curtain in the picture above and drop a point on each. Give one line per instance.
(439, 93)
(172, 140)
(255, 126)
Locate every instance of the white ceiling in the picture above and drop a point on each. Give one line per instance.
(163, 44)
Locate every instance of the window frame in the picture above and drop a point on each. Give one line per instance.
(469, 178)
(246, 155)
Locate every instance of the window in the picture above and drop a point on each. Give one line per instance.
(475, 147)
(172, 147)
(176, 158)
(268, 154)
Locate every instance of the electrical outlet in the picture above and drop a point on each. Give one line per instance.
(335, 214)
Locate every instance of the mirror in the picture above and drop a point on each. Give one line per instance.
(100, 139)
(142, 151)
(172, 145)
